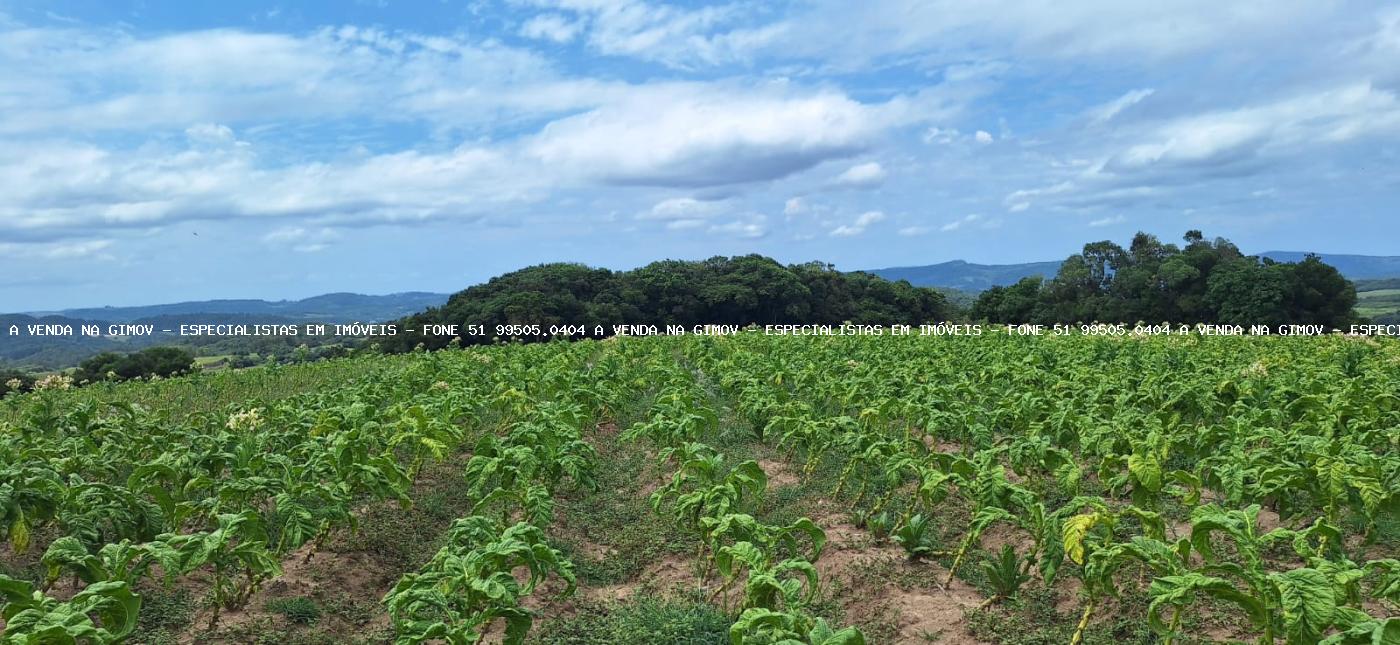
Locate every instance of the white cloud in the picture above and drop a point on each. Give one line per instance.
(863, 221)
(683, 208)
(684, 224)
(698, 136)
(914, 231)
(210, 134)
(1021, 200)
(1108, 221)
(302, 239)
(550, 27)
(850, 35)
(940, 135)
(64, 189)
(665, 33)
(742, 229)
(1231, 136)
(794, 206)
(94, 80)
(983, 136)
(865, 175)
(56, 250)
(959, 223)
(1107, 111)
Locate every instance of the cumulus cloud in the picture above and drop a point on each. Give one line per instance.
(683, 208)
(863, 221)
(706, 136)
(865, 175)
(743, 229)
(229, 92)
(983, 136)
(60, 189)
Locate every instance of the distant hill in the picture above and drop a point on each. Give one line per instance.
(49, 352)
(1354, 267)
(331, 307)
(42, 352)
(966, 276)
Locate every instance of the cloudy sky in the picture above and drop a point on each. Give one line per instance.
(150, 152)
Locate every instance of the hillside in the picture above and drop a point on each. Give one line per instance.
(331, 307)
(1379, 300)
(1354, 267)
(44, 353)
(967, 276)
(971, 277)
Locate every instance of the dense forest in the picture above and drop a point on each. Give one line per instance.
(1202, 281)
(720, 290)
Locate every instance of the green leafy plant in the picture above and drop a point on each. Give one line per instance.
(1004, 573)
(916, 537)
(32, 617)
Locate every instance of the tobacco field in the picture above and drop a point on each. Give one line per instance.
(743, 489)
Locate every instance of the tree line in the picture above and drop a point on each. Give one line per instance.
(749, 289)
(1202, 281)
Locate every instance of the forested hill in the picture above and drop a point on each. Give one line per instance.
(720, 290)
(975, 278)
(1200, 281)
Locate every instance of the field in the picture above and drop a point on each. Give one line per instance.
(1379, 302)
(746, 489)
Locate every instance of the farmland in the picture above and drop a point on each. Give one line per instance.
(742, 489)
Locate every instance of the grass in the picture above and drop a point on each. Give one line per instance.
(165, 613)
(1378, 303)
(297, 609)
(1034, 620)
(617, 517)
(646, 621)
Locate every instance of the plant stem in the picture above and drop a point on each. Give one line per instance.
(962, 550)
(1083, 624)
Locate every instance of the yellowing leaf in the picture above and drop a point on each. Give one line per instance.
(1076, 529)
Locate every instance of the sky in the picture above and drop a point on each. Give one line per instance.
(162, 151)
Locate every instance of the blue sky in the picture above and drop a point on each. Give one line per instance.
(153, 152)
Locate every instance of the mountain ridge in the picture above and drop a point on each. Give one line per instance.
(328, 307)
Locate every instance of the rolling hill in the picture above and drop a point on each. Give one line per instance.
(966, 276)
(331, 307)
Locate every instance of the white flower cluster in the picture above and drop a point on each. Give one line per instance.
(248, 420)
(54, 382)
(1257, 369)
(14, 384)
